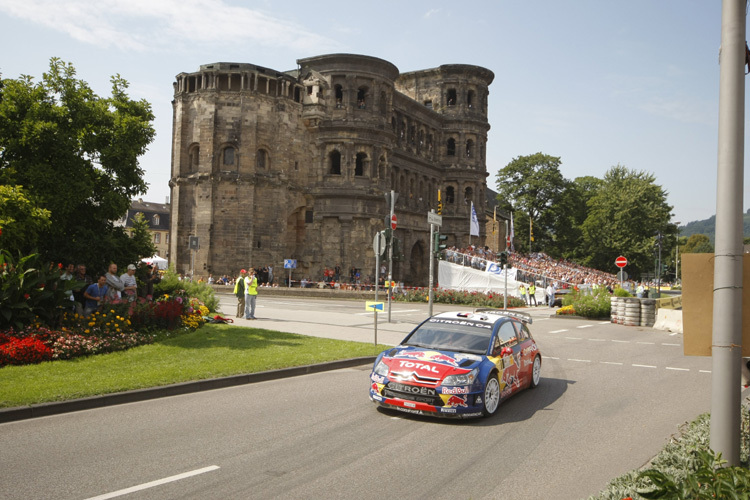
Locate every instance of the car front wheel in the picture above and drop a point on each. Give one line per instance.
(491, 395)
(536, 372)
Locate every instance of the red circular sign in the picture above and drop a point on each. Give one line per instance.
(621, 261)
(393, 222)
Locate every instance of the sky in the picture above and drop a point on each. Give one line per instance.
(597, 83)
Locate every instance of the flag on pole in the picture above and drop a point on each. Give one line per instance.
(474, 223)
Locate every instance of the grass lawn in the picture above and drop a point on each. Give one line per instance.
(209, 352)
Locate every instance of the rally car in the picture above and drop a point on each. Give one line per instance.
(458, 364)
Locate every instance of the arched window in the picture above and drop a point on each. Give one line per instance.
(335, 162)
(359, 167)
(470, 99)
(450, 195)
(468, 195)
(362, 98)
(194, 154)
(228, 156)
(261, 159)
(469, 148)
(155, 219)
(451, 97)
(339, 92)
(451, 151)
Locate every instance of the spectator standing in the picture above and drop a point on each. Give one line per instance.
(130, 285)
(270, 275)
(81, 276)
(522, 293)
(114, 283)
(95, 294)
(251, 293)
(239, 292)
(532, 293)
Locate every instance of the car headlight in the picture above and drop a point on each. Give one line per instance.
(381, 369)
(463, 379)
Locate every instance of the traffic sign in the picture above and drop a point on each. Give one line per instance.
(290, 263)
(393, 222)
(433, 218)
(374, 306)
(621, 261)
(622, 275)
(378, 243)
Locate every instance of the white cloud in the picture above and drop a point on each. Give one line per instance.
(144, 25)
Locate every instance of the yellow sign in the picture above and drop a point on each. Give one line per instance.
(374, 306)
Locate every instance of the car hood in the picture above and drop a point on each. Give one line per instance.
(427, 366)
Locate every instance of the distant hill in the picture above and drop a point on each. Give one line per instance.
(708, 227)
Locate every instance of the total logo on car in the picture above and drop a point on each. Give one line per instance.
(458, 364)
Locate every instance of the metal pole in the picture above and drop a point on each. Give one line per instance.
(505, 268)
(390, 256)
(432, 264)
(727, 294)
(377, 273)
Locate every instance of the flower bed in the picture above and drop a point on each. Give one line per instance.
(117, 326)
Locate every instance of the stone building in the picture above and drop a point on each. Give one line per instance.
(271, 165)
(157, 216)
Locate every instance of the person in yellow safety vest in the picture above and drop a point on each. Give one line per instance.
(522, 292)
(532, 294)
(251, 293)
(239, 292)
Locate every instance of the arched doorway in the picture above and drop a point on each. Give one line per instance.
(418, 265)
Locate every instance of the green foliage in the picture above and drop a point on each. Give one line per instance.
(31, 290)
(698, 243)
(171, 285)
(589, 304)
(457, 297)
(21, 221)
(76, 155)
(532, 186)
(621, 292)
(623, 217)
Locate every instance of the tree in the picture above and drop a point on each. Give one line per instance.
(21, 221)
(623, 218)
(698, 243)
(76, 155)
(530, 187)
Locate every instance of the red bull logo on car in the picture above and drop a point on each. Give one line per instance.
(434, 356)
(456, 401)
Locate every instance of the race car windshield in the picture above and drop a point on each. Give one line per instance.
(452, 335)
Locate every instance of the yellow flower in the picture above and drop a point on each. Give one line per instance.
(87, 331)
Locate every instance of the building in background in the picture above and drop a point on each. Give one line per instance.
(157, 216)
(271, 165)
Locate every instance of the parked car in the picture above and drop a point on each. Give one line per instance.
(458, 364)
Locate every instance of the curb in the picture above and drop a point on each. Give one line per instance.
(47, 409)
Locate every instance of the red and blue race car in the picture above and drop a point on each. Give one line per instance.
(458, 364)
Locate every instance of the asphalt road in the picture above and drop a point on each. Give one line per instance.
(609, 399)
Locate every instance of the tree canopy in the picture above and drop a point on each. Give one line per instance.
(75, 155)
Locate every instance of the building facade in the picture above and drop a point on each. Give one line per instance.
(157, 216)
(270, 165)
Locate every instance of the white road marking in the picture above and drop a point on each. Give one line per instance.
(550, 357)
(558, 331)
(621, 341)
(573, 338)
(646, 343)
(580, 360)
(610, 363)
(598, 340)
(664, 343)
(152, 484)
(678, 369)
(605, 322)
(585, 326)
(644, 366)
(704, 371)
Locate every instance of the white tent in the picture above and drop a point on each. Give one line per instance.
(159, 262)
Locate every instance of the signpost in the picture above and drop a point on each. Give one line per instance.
(433, 220)
(393, 222)
(621, 262)
(290, 264)
(378, 246)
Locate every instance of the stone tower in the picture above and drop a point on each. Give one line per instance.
(270, 165)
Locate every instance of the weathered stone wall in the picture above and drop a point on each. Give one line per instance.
(270, 166)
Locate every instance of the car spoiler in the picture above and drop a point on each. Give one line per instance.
(525, 317)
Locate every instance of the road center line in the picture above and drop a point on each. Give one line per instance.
(644, 366)
(704, 371)
(610, 363)
(678, 369)
(646, 343)
(585, 326)
(621, 341)
(598, 340)
(573, 338)
(664, 343)
(151, 484)
(558, 331)
(580, 360)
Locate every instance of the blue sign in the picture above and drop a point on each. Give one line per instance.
(290, 263)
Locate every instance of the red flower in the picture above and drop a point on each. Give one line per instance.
(26, 296)
(59, 265)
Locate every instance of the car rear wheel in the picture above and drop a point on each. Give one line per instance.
(536, 372)
(491, 395)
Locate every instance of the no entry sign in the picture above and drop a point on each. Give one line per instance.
(621, 261)
(393, 222)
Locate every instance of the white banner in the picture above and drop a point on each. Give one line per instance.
(456, 277)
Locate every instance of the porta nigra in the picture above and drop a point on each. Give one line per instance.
(270, 165)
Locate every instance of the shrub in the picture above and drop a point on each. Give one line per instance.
(621, 292)
(475, 299)
(171, 285)
(589, 305)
